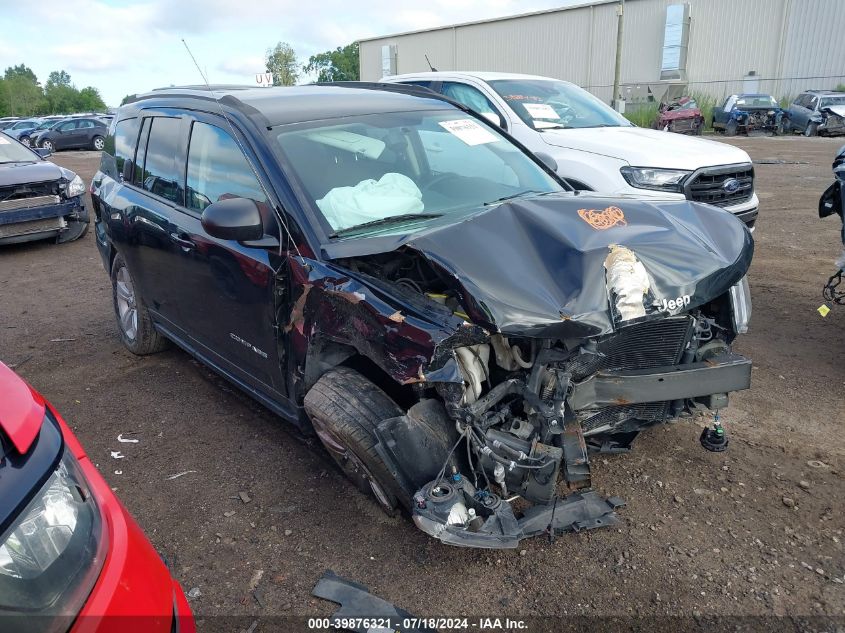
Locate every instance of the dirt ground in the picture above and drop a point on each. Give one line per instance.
(756, 530)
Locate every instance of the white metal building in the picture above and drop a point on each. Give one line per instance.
(718, 47)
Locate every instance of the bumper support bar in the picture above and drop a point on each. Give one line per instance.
(720, 374)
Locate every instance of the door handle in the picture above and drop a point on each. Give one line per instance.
(184, 242)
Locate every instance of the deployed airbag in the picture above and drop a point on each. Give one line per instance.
(392, 194)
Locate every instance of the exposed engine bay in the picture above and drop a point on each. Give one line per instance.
(525, 338)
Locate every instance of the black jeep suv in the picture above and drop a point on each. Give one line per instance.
(385, 268)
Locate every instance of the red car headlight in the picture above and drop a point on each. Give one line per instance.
(52, 554)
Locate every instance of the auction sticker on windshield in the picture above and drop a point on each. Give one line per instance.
(469, 131)
(540, 111)
(4, 141)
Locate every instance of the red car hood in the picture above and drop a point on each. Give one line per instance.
(21, 410)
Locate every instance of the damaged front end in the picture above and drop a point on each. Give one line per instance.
(561, 329)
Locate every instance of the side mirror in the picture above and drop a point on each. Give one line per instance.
(233, 219)
(43, 152)
(547, 160)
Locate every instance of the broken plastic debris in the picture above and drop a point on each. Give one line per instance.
(118, 472)
(126, 440)
(117, 455)
(628, 281)
(823, 310)
(177, 475)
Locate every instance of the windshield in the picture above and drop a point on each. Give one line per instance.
(757, 101)
(20, 125)
(13, 152)
(47, 124)
(403, 169)
(829, 101)
(546, 103)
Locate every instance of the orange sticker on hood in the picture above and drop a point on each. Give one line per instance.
(602, 219)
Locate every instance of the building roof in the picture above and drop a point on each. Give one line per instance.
(489, 20)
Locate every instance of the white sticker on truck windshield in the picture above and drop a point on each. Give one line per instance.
(469, 131)
(4, 141)
(541, 111)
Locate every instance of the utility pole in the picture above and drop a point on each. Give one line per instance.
(620, 19)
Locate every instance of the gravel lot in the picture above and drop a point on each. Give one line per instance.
(756, 530)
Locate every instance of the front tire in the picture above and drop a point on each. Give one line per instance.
(98, 143)
(345, 409)
(133, 319)
(812, 129)
(25, 140)
(48, 145)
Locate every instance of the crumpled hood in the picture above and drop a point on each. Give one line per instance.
(26, 173)
(640, 147)
(535, 267)
(839, 110)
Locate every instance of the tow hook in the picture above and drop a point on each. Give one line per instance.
(714, 439)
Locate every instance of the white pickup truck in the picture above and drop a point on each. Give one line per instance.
(596, 148)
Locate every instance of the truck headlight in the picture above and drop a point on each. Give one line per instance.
(51, 555)
(75, 188)
(657, 179)
(740, 305)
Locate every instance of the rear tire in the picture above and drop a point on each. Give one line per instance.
(731, 128)
(133, 319)
(345, 408)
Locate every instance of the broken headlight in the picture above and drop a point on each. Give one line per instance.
(740, 305)
(51, 555)
(656, 179)
(75, 187)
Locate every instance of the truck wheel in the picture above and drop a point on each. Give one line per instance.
(812, 129)
(731, 127)
(133, 319)
(345, 408)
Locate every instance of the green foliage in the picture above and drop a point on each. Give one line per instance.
(840, 88)
(22, 95)
(706, 103)
(785, 101)
(127, 98)
(340, 64)
(281, 61)
(641, 113)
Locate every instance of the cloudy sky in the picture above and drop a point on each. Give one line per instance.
(129, 46)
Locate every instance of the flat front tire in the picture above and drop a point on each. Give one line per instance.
(345, 409)
(133, 319)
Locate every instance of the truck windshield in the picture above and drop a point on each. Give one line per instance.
(382, 171)
(546, 103)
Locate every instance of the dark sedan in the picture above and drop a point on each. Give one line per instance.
(87, 133)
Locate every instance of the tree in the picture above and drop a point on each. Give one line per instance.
(127, 98)
(281, 61)
(89, 100)
(57, 78)
(22, 72)
(340, 64)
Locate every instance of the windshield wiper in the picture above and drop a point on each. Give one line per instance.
(513, 196)
(403, 217)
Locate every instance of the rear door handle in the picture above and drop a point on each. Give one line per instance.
(183, 241)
